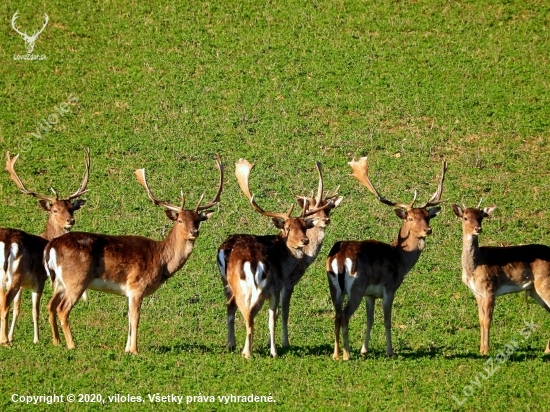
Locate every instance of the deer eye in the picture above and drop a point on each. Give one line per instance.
(55, 210)
(180, 221)
(410, 219)
(465, 218)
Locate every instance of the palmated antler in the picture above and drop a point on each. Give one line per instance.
(360, 172)
(10, 163)
(242, 171)
(436, 198)
(216, 199)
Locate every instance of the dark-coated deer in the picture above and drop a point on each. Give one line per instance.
(375, 269)
(316, 235)
(131, 266)
(253, 268)
(493, 271)
(21, 253)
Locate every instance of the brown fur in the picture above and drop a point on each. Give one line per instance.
(279, 255)
(492, 271)
(134, 266)
(30, 273)
(377, 270)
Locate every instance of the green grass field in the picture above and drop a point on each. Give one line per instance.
(282, 84)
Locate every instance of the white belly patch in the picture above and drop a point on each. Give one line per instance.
(107, 286)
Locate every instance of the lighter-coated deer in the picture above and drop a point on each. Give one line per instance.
(131, 266)
(21, 253)
(375, 269)
(493, 271)
(253, 268)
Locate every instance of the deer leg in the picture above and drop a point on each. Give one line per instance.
(231, 307)
(542, 296)
(8, 297)
(387, 304)
(337, 301)
(36, 296)
(249, 321)
(354, 300)
(285, 309)
(485, 308)
(63, 311)
(134, 306)
(16, 312)
(273, 312)
(370, 300)
(53, 304)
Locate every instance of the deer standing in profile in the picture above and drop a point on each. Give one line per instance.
(131, 266)
(253, 268)
(374, 269)
(493, 271)
(21, 253)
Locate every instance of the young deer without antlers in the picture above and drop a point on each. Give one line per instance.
(493, 271)
(131, 266)
(21, 253)
(253, 268)
(374, 269)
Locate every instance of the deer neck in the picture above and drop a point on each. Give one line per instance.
(288, 257)
(52, 231)
(175, 250)
(409, 248)
(470, 252)
(316, 235)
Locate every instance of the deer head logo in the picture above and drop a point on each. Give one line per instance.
(29, 39)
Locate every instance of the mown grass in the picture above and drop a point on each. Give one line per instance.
(167, 86)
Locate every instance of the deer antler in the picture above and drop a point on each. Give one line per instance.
(140, 175)
(242, 171)
(46, 20)
(319, 196)
(360, 172)
(10, 163)
(436, 198)
(84, 183)
(13, 19)
(216, 199)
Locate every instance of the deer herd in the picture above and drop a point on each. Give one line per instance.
(253, 268)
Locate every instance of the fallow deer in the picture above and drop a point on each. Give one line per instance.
(253, 268)
(21, 253)
(493, 271)
(375, 269)
(131, 266)
(316, 235)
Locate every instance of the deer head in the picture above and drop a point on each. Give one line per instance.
(30, 40)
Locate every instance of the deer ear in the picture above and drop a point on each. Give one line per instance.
(338, 201)
(46, 205)
(279, 223)
(401, 213)
(171, 214)
(488, 210)
(77, 204)
(206, 215)
(434, 211)
(457, 210)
